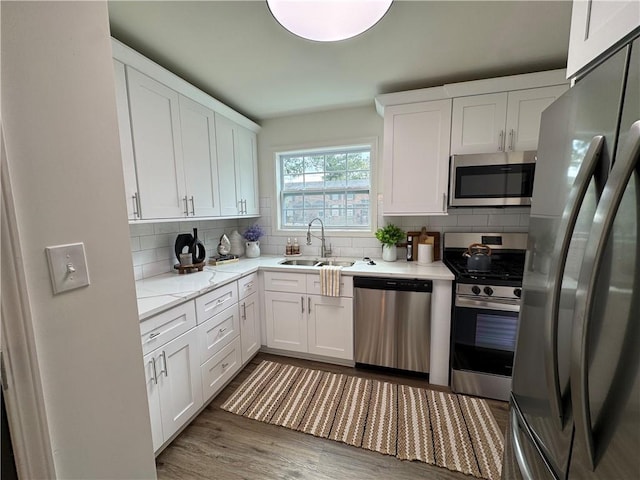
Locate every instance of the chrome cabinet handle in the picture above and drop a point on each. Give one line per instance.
(155, 373)
(500, 141)
(136, 207)
(560, 249)
(308, 304)
(186, 206)
(595, 251)
(511, 137)
(165, 368)
(222, 330)
(244, 311)
(240, 207)
(153, 335)
(225, 365)
(193, 206)
(444, 202)
(248, 286)
(302, 304)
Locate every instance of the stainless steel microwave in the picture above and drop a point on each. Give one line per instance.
(492, 180)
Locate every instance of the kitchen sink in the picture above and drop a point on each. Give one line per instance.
(336, 263)
(302, 262)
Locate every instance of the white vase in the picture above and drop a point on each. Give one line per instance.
(389, 253)
(237, 244)
(253, 249)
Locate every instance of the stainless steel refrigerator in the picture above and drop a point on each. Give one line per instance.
(575, 401)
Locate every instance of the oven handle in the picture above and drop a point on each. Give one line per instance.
(503, 304)
(563, 241)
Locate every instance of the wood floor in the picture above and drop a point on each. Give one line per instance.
(221, 445)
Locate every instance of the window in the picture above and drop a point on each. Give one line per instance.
(333, 184)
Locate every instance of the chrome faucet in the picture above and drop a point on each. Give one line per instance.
(324, 251)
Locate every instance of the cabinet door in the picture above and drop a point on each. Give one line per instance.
(200, 158)
(249, 326)
(524, 109)
(157, 145)
(597, 25)
(416, 158)
(331, 326)
(478, 123)
(126, 144)
(246, 159)
(180, 381)
(151, 372)
(229, 204)
(286, 321)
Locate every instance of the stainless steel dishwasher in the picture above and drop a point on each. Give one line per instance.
(393, 322)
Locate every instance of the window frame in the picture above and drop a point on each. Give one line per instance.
(369, 142)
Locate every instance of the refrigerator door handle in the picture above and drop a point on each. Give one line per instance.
(517, 445)
(563, 241)
(585, 294)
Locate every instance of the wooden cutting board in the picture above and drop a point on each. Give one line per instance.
(423, 236)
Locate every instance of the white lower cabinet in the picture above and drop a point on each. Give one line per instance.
(286, 321)
(306, 322)
(330, 326)
(173, 385)
(220, 368)
(249, 326)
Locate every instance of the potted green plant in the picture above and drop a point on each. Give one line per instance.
(389, 236)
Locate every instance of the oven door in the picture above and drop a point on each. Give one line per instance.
(484, 335)
(492, 180)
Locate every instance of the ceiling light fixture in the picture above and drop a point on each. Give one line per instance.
(328, 20)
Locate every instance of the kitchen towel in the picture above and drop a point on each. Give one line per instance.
(425, 254)
(330, 281)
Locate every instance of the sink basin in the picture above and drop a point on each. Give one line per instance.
(302, 262)
(336, 263)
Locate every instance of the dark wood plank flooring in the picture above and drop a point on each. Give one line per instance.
(221, 445)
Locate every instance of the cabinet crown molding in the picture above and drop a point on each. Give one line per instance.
(476, 87)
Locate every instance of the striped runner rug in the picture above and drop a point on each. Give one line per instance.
(448, 430)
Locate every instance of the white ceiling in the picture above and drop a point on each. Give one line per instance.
(238, 53)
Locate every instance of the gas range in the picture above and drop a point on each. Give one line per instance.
(486, 306)
(502, 279)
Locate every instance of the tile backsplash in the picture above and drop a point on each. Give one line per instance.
(152, 243)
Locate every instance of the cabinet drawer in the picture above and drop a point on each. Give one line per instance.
(217, 332)
(214, 302)
(285, 282)
(164, 327)
(247, 285)
(220, 368)
(346, 285)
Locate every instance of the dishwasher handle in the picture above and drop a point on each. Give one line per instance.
(397, 284)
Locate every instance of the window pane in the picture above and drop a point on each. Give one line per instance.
(359, 161)
(333, 185)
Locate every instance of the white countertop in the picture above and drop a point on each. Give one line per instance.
(161, 292)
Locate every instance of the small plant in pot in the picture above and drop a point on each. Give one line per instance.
(252, 236)
(389, 236)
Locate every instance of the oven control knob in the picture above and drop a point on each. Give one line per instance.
(476, 290)
(488, 291)
(517, 292)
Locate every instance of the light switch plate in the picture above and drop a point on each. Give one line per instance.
(67, 267)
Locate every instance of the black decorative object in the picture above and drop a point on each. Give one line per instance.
(198, 253)
(183, 240)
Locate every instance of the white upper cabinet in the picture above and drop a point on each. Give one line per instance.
(478, 123)
(237, 168)
(126, 143)
(184, 153)
(416, 158)
(499, 122)
(200, 158)
(597, 25)
(155, 126)
(245, 146)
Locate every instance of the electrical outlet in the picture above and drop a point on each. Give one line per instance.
(67, 267)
